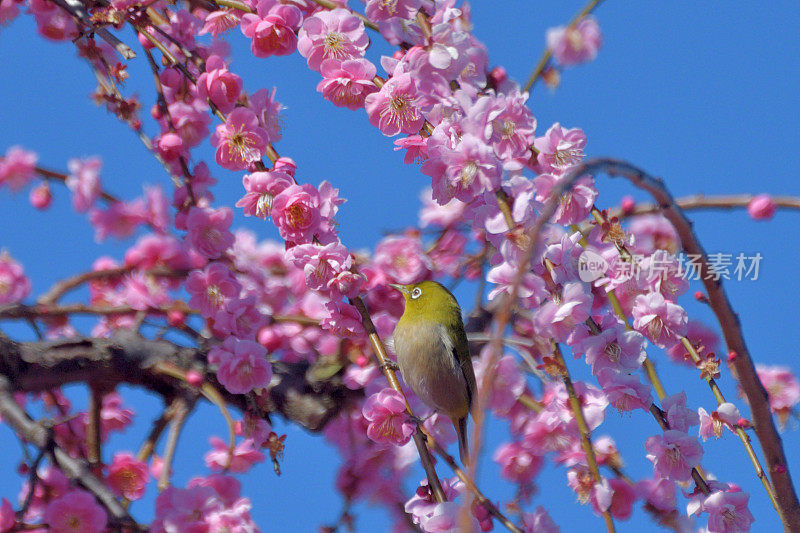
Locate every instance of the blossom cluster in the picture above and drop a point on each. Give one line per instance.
(256, 303)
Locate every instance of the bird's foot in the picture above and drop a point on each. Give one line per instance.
(388, 364)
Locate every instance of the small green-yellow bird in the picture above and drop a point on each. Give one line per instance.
(433, 354)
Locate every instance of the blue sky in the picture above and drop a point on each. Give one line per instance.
(702, 94)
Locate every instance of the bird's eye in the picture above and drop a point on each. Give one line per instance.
(416, 293)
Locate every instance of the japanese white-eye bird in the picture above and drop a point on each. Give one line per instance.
(433, 354)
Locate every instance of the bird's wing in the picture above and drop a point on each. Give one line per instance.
(462, 355)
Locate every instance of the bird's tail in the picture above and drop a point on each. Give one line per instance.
(461, 431)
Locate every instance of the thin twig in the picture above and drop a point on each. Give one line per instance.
(181, 407)
(149, 444)
(77, 11)
(60, 176)
(701, 201)
(583, 429)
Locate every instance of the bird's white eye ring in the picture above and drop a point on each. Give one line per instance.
(416, 293)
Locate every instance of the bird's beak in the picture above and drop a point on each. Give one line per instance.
(400, 288)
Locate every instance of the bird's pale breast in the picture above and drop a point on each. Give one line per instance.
(426, 360)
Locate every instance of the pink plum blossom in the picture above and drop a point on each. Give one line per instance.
(119, 220)
(463, 172)
(170, 146)
(658, 319)
(209, 504)
(396, 107)
(343, 320)
(446, 518)
(510, 126)
(416, 147)
(700, 336)
(560, 319)
(272, 29)
(728, 512)
(244, 455)
(422, 504)
(440, 427)
(153, 250)
(679, 417)
(191, 124)
(335, 34)
(127, 476)
(379, 10)
(447, 50)
(267, 110)
(52, 485)
(559, 148)
(622, 495)
(75, 512)
(296, 213)
(518, 462)
(346, 284)
(578, 44)
(240, 318)
(208, 230)
(14, 284)
(388, 420)
(761, 207)
(221, 86)
(240, 142)
(254, 428)
(53, 22)
(673, 454)
(653, 232)
(243, 366)
(113, 415)
(726, 415)
(658, 492)
(575, 204)
(347, 83)
(434, 213)
(219, 22)
(17, 167)
(615, 348)
(538, 522)
(262, 188)
(624, 391)
(665, 274)
(211, 288)
(84, 182)
(320, 264)
(185, 509)
(142, 292)
(228, 488)
(509, 383)
(402, 259)
(783, 389)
